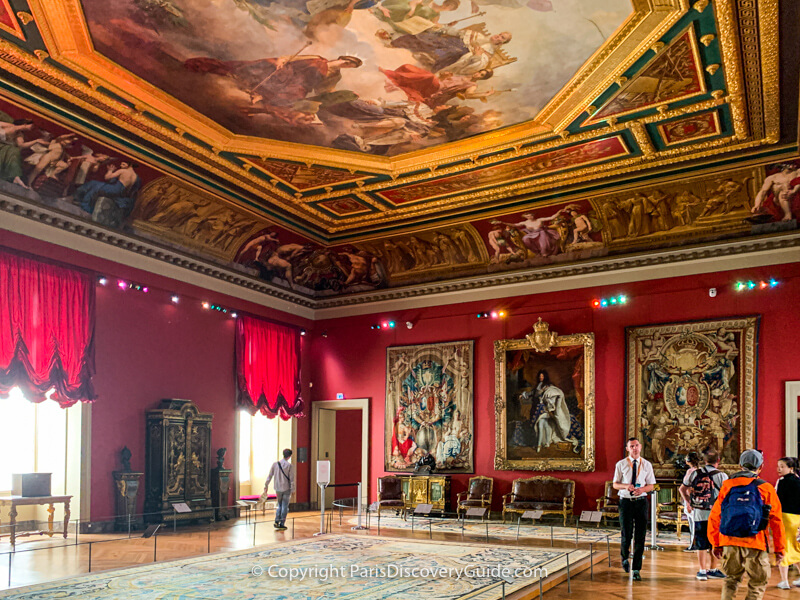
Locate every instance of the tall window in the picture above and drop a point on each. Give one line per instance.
(261, 443)
(40, 438)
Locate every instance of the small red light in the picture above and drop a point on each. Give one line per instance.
(494, 314)
(385, 324)
(596, 303)
(763, 285)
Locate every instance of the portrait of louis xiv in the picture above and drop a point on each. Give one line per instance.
(691, 387)
(545, 401)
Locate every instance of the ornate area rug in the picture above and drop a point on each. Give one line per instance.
(499, 530)
(330, 567)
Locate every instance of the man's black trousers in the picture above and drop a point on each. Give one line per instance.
(633, 519)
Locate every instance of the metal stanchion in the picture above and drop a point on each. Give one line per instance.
(503, 586)
(9, 569)
(552, 543)
(654, 521)
(569, 581)
(292, 527)
(322, 487)
(254, 532)
(358, 524)
(155, 547)
(591, 560)
(209, 538)
(608, 548)
(77, 527)
(90, 557)
(540, 586)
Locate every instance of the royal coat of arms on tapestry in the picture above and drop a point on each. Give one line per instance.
(544, 401)
(429, 406)
(691, 387)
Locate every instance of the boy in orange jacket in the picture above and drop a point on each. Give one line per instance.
(747, 554)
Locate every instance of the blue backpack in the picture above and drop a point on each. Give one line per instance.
(742, 511)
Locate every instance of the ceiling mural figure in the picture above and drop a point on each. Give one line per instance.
(377, 76)
(46, 163)
(311, 268)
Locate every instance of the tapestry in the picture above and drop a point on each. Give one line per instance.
(429, 407)
(336, 566)
(691, 387)
(544, 401)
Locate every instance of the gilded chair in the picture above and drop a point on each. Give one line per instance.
(669, 508)
(390, 495)
(478, 495)
(608, 505)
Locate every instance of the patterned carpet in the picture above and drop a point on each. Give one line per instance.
(498, 530)
(357, 560)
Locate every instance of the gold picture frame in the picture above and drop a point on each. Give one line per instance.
(691, 386)
(545, 402)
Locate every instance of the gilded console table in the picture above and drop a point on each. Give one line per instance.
(15, 501)
(426, 489)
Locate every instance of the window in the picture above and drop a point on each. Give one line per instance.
(261, 443)
(40, 438)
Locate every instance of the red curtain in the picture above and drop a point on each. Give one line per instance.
(46, 330)
(268, 367)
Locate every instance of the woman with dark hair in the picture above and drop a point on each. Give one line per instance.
(788, 487)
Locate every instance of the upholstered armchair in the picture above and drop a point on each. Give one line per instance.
(551, 495)
(608, 505)
(478, 495)
(669, 508)
(390, 495)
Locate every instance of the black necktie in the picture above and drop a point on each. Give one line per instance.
(633, 477)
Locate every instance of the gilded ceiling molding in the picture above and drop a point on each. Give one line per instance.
(768, 22)
(727, 28)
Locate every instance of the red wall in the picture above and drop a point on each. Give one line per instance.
(352, 359)
(148, 349)
(348, 452)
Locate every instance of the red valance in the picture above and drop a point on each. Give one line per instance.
(46, 330)
(268, 367)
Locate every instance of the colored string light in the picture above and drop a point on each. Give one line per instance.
(618, 300)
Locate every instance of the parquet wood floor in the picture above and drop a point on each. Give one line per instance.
(668, 574)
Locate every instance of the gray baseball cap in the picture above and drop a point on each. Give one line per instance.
(751, 459)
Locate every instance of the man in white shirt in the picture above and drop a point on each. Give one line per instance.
(283, 474)
(633, 479)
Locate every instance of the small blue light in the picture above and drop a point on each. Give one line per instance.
(623, 299)
(603, 302)
(391, 324)
(751, 285)
(773, 282)
(613, 300)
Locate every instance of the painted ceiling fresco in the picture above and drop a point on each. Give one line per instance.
(632, 127)
(376, 76)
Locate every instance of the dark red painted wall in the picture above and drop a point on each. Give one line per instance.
(147, 349)
(352, 359)
(348, 452)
